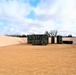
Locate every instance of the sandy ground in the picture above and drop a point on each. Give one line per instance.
(7, 40)
(24, 59)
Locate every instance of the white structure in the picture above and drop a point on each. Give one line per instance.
(64, 39)
(69, 39)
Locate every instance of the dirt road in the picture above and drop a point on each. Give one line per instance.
(24, 59)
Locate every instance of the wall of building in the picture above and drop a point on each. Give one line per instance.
(74, 40)
(69, 39)
(49, 40)
(64, 39)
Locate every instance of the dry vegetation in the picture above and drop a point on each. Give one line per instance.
(24, 59)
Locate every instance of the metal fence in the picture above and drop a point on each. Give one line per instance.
(52, 39)
(59, 39)
(29, 39)
(38, 39)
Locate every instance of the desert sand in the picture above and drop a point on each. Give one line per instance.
(8, 40)
(19, 58)
(24, 59)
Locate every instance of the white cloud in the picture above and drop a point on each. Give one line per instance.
(61, 12)
(14, 9)
(14, 12)
(50, 14)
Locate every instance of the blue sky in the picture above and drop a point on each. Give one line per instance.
(37, 16)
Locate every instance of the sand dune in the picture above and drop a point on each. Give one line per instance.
(7, 40)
